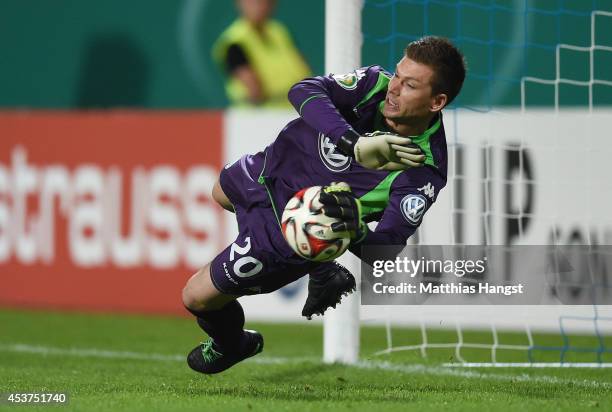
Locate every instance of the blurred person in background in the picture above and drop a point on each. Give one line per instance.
(258, 56)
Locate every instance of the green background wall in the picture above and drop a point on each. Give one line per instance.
(150, 53)
(156, 54)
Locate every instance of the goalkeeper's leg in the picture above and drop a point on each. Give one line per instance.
(221, 198)
(222, 318)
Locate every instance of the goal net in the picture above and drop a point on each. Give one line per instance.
(529, 148)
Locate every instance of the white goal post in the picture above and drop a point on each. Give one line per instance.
(343, 39)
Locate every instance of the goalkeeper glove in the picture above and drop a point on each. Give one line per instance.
(382, 151)
(339, 202)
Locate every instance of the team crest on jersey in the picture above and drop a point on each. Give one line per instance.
(413, 207)
(349, 81)
(332, 159)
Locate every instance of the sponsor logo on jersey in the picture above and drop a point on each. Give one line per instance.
(428, 190)
(413, 207)
(332, 159)
(349, 81)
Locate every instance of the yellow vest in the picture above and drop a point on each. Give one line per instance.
(275, 60)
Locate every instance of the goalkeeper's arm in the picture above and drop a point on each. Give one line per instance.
(320, 101)
(402, 216)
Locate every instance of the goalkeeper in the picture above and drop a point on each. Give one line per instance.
(381, 133)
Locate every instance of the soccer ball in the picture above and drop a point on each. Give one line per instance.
(308, 231)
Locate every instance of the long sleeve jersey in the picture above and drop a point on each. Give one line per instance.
(304, 154)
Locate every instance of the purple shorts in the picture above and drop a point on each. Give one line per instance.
(259, 260)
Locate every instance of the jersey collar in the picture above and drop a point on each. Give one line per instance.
(421, 140)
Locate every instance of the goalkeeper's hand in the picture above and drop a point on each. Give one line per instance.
(381, 150)
(386, 151)
(339, 202)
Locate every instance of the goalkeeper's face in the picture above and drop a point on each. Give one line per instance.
(409, 96)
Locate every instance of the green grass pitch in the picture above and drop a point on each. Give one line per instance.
(136, 363)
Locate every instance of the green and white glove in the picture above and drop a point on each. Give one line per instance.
(382, 150)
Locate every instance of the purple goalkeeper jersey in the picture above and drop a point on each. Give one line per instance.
(304, 154)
